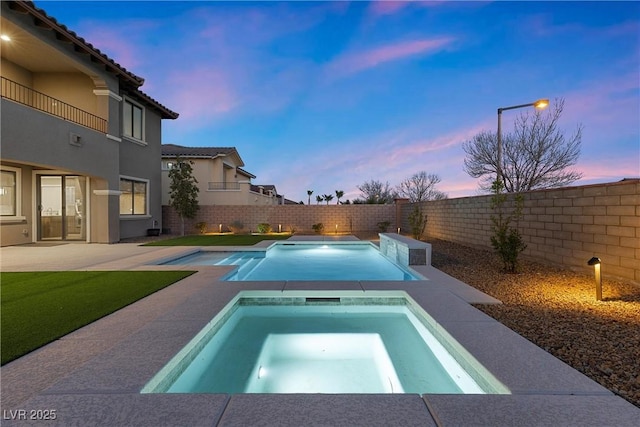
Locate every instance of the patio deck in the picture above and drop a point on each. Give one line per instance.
(93, 376)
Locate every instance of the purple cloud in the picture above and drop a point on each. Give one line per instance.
(354, 62)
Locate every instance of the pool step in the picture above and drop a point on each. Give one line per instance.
(238, 258)
(246, 268)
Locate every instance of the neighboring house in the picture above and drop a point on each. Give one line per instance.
(220, 176)
(80, 141)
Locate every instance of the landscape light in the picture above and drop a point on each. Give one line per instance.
(5, 37)
(595, 262)
(539, 104)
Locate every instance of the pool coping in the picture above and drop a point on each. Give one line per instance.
(93, 376)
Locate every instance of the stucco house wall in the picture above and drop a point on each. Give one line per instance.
(63, 118)
(221, 179)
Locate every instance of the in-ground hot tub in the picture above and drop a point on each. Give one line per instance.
(323, 342)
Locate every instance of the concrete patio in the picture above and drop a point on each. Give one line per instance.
(94, 375)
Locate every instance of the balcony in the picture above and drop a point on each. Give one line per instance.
(224, 186)
(23, 95)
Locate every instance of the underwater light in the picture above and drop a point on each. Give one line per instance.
(261, 372)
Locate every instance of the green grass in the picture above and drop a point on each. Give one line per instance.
(40, 307)
(219, 240)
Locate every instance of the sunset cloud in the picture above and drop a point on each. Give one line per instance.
(354, 62)
(379, 8)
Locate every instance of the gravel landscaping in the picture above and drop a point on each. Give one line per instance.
(556, 309)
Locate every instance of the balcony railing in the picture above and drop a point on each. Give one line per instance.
(224, 185)
(34, 99)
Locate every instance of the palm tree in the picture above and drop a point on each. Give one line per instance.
(309, 193)
(328, 197)
(339, 194)
(318, 199)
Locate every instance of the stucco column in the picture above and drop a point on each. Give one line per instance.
(105, 212)
(108, 108)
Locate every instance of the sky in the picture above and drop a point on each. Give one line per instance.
(326, 96)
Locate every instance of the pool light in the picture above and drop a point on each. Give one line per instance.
(595, 262)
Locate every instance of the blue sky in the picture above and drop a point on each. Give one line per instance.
(324, 96)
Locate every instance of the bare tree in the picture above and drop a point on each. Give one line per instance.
(375, 192)
(536, 154)
(421, 187)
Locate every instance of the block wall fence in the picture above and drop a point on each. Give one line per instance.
(336, 218)
(564, 226)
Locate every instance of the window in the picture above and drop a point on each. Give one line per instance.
(8, 193)
(133, 197)
(133, 120)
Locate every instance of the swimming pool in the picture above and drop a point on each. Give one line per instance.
(305, 261)
(315, 342)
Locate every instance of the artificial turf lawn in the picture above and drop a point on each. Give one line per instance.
(219, 240)
(39, 307)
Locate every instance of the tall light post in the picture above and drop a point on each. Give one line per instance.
(539, 104)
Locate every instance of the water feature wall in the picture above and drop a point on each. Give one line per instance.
(404, 250)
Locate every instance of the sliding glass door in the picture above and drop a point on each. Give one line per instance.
(61, 207)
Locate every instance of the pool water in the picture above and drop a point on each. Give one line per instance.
(306, 261)
(322, 345)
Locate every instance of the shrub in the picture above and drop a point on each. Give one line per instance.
(506, 240)
(383, 226)
(417, 221)
(264, 228)
(318, 228)
(237, 227)
(201, 227)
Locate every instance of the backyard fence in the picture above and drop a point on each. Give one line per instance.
(336, 219)
(564, 226)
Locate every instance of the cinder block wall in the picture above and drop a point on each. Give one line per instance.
(562, 226)
(347, 218)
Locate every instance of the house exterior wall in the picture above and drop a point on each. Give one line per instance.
(35, 142)
(141, 162)
(45, 144)
(561, 226)
(219, 170)
(73, 88)
(16, 73)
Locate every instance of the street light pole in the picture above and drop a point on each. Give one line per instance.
(539, 104)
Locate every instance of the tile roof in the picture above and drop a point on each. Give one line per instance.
(179, 150)
(242, 171)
